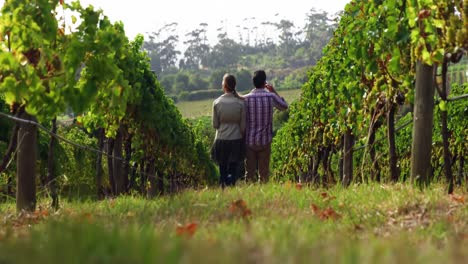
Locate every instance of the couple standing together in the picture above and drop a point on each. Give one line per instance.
(244, 129)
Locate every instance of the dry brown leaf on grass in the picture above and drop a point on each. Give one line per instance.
(329, 213)
(358, 227)
(27, 218)
(315, 208)
(239, 208)
(41, 213)
(457, 198)
(299, 186)
(87, 217)
(186, 230)
(327, 197)
(325, 214)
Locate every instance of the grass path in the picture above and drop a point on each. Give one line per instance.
(274, 223)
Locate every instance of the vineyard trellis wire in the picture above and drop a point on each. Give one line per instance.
(74, 144)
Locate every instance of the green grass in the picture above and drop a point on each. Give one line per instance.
(375, 224)
(194, 109)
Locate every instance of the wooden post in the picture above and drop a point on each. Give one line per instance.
(393, 159)
(51, 171)
(26, 165)
(99, 170)
(348, 158)
(423, 114)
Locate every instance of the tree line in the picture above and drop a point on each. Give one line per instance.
(201, 66)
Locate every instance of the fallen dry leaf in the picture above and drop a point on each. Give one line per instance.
(41, 213)
(239, 208)
(186, 230)
(457, 198)
(325, 214)
(327, 197)
(29, 218)
(87, 216)
(315, 208)
(358, 227)
(329, 213)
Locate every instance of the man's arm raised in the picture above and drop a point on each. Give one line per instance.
(278, 101)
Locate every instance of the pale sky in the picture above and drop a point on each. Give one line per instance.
(142, 16)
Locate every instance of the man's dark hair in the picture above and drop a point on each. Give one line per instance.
(259, 78)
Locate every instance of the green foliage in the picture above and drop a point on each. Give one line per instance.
(5, 125)
(458, 130)
(226, 53)
(294, 80)
(244, 80)
(216, 78)
(437, 27)
(204, 130)
(197, 83)
(368, 67)
(103, 78)
(167, 82)
(458, 123)
(279, 119)
(181, 81)
(30, 58)
(76, 167)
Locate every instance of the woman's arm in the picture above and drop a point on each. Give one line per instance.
(243, 120)
(215, 117)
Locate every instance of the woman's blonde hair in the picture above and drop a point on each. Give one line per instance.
(230, 84)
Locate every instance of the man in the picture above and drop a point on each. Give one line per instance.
(259, 130)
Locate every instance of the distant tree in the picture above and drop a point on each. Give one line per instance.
(287, 41)
(162, 50)
(319, 25)
(266, 42)
(196, 82)
(216, 78)
(277, 46)
(167, 83)
(181, 82)
(226, 54)
(318, 31)
(182, 64)
(244, 80)
(197, 48)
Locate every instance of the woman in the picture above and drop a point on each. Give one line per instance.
(229, 122)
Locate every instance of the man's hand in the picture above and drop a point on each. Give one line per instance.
(270, 88)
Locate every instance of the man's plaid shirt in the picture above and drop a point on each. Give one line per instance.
(260, 103)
